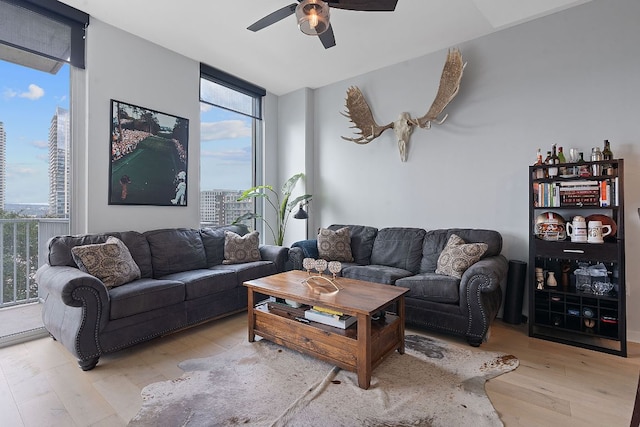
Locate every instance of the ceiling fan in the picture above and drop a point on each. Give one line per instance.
(313, 15)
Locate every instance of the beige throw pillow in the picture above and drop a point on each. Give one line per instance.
(110, 262)
(335, 245)
(240, 249)
(458, 256)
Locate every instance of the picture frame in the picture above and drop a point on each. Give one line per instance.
(148, 154)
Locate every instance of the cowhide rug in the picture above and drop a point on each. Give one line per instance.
(263, 384)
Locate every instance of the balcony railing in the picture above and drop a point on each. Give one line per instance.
(23, 247)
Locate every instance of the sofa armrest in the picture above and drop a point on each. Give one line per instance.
(71, 285)
(277, 254)
(301, 250)
(295, 259)
(481, 293)
(309, 248)
(76, 308)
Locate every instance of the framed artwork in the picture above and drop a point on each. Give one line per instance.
(147, 157)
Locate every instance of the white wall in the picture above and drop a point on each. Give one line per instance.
(570, 78)
(295, 154)
(127, 68)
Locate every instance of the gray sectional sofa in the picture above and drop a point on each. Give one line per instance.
(183, 281)
(408, 257)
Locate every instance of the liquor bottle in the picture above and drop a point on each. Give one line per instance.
(553, 172)
(538, 158)
(539, 173)
(607, 169)
(606, 152)
(583, 168)
(561, 155)
(562, 159)
(547, 161)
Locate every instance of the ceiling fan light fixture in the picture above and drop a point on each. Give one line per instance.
(313, 17)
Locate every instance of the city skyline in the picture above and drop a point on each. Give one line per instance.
(29, 99)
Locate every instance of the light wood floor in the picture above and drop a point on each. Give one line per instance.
(555, 385)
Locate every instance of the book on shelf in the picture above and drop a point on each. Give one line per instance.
(580, 193)
(327, 310)
(580, 183)
(342, 322)
(284, 309)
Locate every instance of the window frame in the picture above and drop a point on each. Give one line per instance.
(257, 93)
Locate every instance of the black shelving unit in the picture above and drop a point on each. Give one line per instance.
(563, 313)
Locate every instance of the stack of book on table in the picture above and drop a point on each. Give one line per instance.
(283, 309)
(329, 317)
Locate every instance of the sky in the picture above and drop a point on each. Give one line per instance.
(225, 149)
(28, 100)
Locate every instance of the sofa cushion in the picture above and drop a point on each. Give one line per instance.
(60, 248)
(398, 247)
(213, 240)
(362, 238)
(335, 245)
(432, 287)
(144, 295)
(111, 262)
(139, 249)
(240, 249)
(375, 273)
(458, 256)
(175, 249)
(198, 283)
(249, 270)
(436, 240)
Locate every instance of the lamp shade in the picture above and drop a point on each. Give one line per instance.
(301, 214)
(313, 17)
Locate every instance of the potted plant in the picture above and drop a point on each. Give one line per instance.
(282, 207)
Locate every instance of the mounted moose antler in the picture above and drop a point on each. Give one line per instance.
(359, 112)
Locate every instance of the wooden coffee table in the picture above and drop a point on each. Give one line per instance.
(359, 348)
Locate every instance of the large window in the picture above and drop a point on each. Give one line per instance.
(34, 131)
(40, 40)
(230, 118)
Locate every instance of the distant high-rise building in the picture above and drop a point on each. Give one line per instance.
(59, 143)
(3, 165)
(220, 207)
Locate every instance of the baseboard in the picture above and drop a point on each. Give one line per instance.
(24, 336)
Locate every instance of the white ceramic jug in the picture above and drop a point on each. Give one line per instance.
(577, 229)
(597, 233)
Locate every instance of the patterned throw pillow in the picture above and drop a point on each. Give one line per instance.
(335, 245)
(110, 262)
(240, 249)
(458, 255)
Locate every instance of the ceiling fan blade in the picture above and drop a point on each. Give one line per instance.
(327, 38)
(365, 5)
(273, 17)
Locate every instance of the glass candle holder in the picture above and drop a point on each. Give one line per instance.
(321, 266)
(335, 267)
(308, 264)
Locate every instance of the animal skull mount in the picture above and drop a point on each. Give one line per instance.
(359, 112)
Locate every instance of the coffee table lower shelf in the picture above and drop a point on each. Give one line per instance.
(346, 348)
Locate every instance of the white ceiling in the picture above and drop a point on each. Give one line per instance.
(282, 59)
